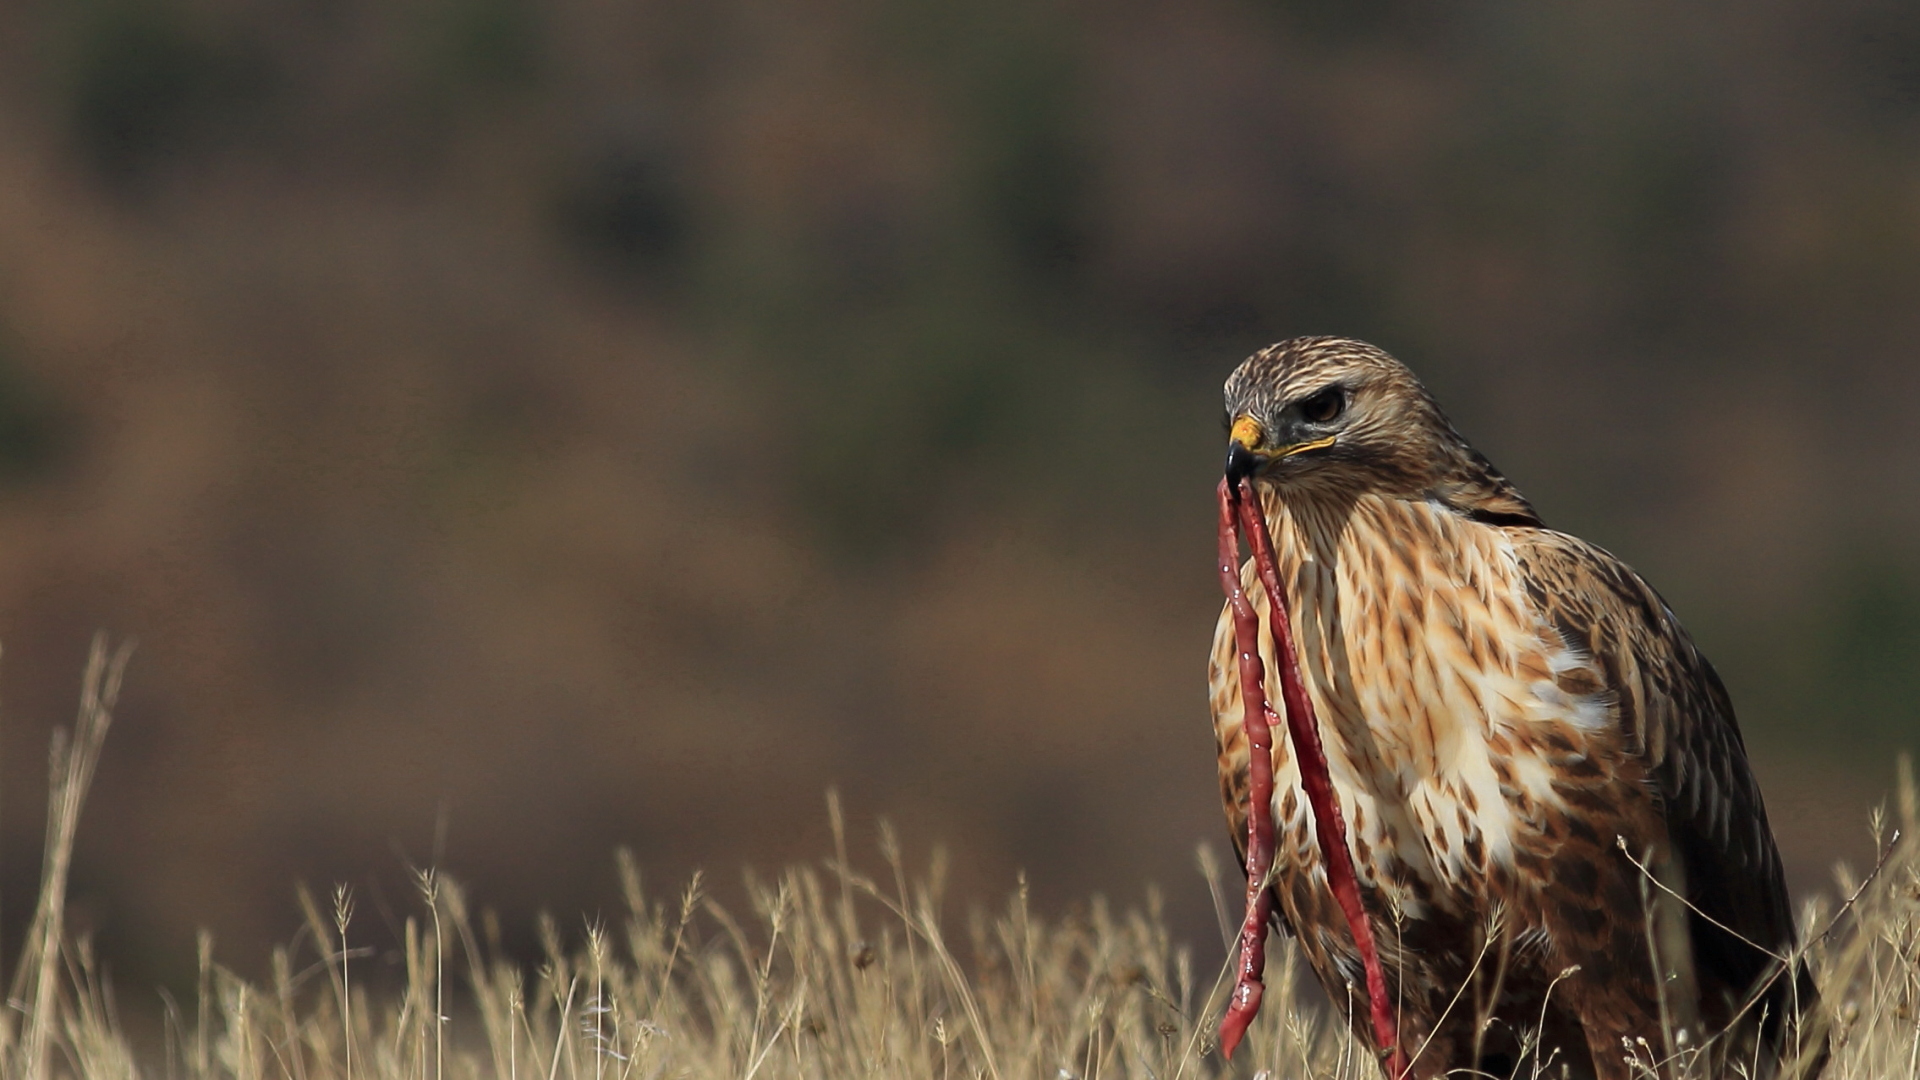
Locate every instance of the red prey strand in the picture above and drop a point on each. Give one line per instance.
(1247, 988)
(1241, 508)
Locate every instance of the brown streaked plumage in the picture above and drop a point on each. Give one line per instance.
(1502, 706)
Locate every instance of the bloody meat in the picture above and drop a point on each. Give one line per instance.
(1240, 512)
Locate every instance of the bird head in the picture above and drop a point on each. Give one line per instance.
(1333, 416)
(1326, 410)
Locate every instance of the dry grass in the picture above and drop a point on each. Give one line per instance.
(832, 974)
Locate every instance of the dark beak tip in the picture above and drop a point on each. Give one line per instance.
(1241, 462)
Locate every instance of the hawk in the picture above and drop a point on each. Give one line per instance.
(1534, 761)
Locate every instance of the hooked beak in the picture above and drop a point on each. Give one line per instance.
(1245, 457)
(1241, 463)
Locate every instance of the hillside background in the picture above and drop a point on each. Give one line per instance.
(515, 429)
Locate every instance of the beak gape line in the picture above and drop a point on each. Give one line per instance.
(1243, 460)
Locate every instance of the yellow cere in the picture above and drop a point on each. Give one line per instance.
(1246, 431)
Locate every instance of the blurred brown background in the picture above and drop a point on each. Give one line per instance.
(582, 423)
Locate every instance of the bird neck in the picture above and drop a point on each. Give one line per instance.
(1473, 488)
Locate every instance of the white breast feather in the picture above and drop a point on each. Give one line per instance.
(1411, 800)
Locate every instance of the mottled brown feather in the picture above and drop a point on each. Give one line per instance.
(1681, 719)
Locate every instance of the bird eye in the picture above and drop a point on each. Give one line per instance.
(1324, 406)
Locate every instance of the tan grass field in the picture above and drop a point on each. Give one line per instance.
(832, 973)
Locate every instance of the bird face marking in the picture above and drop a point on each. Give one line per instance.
(1247, 452)
(1327, 408)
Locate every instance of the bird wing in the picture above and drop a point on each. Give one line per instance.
(1674, 713)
